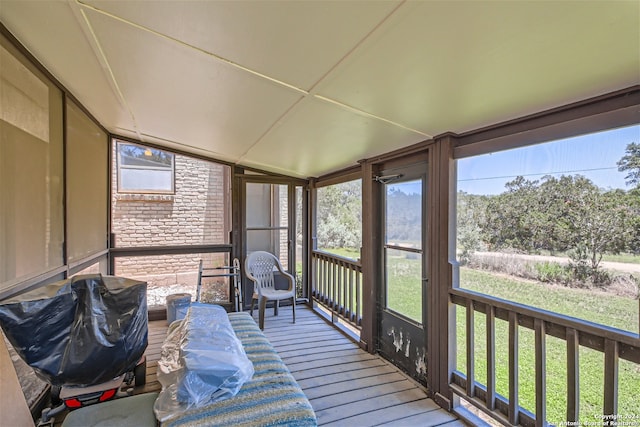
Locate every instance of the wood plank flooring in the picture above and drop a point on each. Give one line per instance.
(157, 334)
(345, 385)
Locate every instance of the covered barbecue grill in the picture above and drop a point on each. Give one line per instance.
(79, 332)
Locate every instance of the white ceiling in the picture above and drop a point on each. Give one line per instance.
(309, 87)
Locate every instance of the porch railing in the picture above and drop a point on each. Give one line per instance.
(614, 343)
(337, 284)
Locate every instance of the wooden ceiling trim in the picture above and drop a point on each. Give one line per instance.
(344, 175)
(410, 150)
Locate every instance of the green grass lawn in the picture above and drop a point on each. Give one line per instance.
(343, 252)
(628, 258)
(598, 307)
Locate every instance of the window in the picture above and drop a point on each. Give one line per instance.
(554, 226)
(339, 218)
(144, 170)
(196, 213)
(31, 171)
(562, 215)
(267, 220)
(87, 149)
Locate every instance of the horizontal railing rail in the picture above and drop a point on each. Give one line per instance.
(337, 284)
(614, 343)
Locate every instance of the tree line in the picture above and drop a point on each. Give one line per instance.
(339, 215)
(566, 214)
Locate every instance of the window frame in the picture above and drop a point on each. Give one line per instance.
(120, 166)
(614, 110)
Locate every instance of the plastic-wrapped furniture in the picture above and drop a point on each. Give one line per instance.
(202, 361)
(177, 306)
(271, 397)
(260, 268)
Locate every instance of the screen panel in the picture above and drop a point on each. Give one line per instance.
(31, 170)
(87, 185)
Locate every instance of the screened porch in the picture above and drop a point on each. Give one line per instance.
(455, 192)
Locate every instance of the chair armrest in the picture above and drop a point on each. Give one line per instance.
(288, 276)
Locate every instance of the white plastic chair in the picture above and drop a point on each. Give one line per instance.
(259, 267)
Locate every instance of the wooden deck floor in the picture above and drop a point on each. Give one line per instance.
(345, 385)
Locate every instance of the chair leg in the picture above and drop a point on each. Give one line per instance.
(254, 300)
(275, 307)
(261, 307)
(293, 307)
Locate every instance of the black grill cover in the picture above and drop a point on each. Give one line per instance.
(79, 332)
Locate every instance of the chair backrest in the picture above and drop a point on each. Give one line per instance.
(259, 266)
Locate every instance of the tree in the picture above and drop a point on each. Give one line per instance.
(339, 215)
(471, 212)
(630, 163)
(560, 214)
(509, 219)
(403, 216)
(633, 205)
(599, 222)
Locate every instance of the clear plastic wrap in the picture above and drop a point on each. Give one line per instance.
(202, 361)
(79, 332)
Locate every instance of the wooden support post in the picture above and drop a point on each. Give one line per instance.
(370, 252)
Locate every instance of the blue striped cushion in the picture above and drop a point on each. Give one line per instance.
(270, 398)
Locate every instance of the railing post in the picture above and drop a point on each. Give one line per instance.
(541, 372)
(573, 375)
(353, 277)
(491, 357)
(514, 407)
(325, 281)
(610, 377)
(359, 299)
(345, 284)
(470, 349)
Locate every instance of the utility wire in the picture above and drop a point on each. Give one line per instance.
(537, 174)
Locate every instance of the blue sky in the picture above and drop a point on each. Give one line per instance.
(593, 156)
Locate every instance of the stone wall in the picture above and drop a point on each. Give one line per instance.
(197, 213)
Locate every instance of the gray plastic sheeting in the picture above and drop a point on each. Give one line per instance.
(79, 332)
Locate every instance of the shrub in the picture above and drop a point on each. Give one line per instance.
(601, 277)
(503, 263)
(552, 272)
